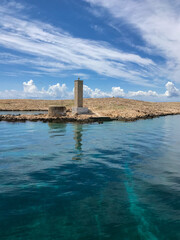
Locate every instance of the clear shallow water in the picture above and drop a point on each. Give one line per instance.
(22, 112)
(110, 181)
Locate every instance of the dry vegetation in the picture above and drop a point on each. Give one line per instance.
(126, 108)
(31, 105)
(110, 107)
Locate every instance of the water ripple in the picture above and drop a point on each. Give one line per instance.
(71, 181)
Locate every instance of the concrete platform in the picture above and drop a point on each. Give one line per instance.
(80, 110)
(56, 111)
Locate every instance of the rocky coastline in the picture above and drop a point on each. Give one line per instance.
(76, 118)
(101, 110)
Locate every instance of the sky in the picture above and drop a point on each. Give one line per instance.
(120, 48)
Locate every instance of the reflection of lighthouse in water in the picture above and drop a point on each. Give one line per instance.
(78, 128)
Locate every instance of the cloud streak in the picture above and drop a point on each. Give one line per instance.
(157, 22)
(50, 49)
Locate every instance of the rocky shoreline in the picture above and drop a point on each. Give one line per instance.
(76, 118)
(45, 118)
(101, 110)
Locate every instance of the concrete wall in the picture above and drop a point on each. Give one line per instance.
(78, 93)
(56, 111)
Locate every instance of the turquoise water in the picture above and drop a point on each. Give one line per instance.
(22, 112)
(114, 180)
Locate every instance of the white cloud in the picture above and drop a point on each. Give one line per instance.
(97, 93)
(117, 92)
(29, 87)
(143, 94)
(60, 91)
(49, 49)
(30, 90)
(171, 91)
(156, 21)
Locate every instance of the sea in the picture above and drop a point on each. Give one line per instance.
(114, 181)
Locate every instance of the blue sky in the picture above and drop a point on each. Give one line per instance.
(119, 48)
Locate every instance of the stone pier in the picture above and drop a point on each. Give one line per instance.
(78, 98)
